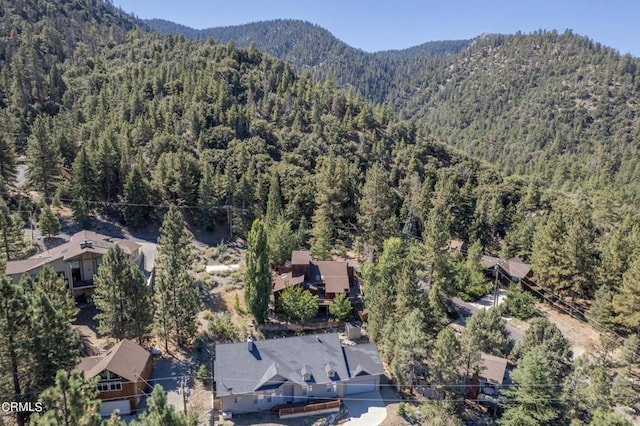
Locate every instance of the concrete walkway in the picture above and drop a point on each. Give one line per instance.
(365, 409)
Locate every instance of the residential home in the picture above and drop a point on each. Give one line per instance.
(123, 374)
(77, 260)
(490, 378)
(512, 270)
(323, 278)
(304, 371)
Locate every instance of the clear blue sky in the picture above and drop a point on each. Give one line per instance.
(396, 24)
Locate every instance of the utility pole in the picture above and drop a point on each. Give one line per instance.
(184, 393)
(495, 293)
(212, 353)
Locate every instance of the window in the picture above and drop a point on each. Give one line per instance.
(255, 399)
(109, 386)
(269, 397)
(238, 400)
(308, 390)
(261, 399)
(331, 388)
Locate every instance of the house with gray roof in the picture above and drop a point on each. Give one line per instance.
(262, 374)
(77, 260)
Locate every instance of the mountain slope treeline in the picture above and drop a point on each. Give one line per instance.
(557, 106)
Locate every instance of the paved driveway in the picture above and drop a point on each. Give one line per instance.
(365, 409)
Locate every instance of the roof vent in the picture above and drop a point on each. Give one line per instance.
(86, 244)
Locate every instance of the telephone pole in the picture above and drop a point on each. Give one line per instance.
(184, 393)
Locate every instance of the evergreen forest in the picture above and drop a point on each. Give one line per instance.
(522, 145)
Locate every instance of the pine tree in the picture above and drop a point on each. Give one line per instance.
(274, 201)
(377, 219)
(406, 346)
(84, 186)
(624, 303)
(8, 170)
(530, 403)
(175, 239)
(178, 301)
(56, 289)
(281, 240)
(72, 400)
(122, 297)
(48, 223)
(341, 307)
(545, 336)
(488, 332)
(12, 242)
(552, 267)
(257, 288)
(43, 158)
(14, 338)
(135, 197)
(208, 197)
(321, 232)
(445, 361)
(54, 346)
(162, 413)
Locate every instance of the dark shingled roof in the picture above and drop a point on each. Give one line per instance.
(492, 368)
(514, 267)
(300, 257)
(267, 364)
(126, 359)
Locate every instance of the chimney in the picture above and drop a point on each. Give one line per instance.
(250, 345)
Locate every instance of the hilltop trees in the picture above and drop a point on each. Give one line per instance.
(257, 275)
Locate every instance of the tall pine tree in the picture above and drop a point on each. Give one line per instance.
(122, 297)
(257, 287)
(12, 242)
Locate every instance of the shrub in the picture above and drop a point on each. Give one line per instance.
(203, 374)
(519, 303)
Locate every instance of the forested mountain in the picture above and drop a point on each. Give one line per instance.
(123, 123)
(306, 46)
(428, 49)
(558, 106)
(141, 118)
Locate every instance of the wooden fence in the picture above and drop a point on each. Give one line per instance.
(310, 408)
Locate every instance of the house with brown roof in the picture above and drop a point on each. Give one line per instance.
(490, 377)
(122, 376)
(513, 269)
(77, 260)
(324, 278)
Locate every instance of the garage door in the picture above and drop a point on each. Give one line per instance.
(363, 386)
(106, 408)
